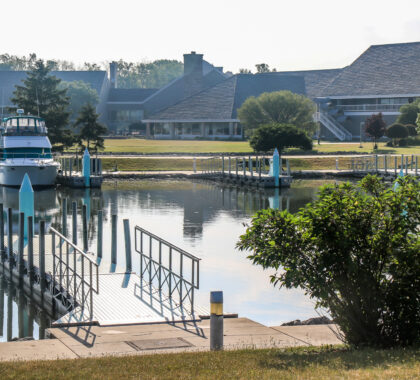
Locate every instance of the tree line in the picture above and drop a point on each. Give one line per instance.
(68, 122)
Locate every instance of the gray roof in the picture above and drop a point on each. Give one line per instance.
(315, 80)
(174, 92)
(392, 69)
(9, 79)
(221, 102)
(130, 94)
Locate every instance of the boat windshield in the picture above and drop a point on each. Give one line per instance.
(24, 126)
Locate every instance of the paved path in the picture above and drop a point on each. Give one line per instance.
(94, 341)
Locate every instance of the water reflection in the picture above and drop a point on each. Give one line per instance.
(20, 316)
(203, 218)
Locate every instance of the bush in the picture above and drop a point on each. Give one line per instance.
(403, 142)
(412, 129)
(280, 136)
(396, 131)
(356, 250)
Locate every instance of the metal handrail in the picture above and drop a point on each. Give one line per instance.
(179, 287)
(80, 286)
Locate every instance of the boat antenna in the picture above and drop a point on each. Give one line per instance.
(37, 101)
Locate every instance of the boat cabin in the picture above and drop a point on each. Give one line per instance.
(24, 126)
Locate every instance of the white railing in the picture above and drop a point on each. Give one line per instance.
(370, 107)
(333, 126)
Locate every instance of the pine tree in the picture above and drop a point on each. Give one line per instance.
(41, 95)
(90, 128)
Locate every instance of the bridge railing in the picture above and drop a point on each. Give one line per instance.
(171, 270)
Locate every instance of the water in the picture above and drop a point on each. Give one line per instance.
(203, 218)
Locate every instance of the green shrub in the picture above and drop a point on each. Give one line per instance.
(396, 132)
(356, 251)
(280, 136)
(412, 129)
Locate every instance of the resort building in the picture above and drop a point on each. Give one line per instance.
(203, 102)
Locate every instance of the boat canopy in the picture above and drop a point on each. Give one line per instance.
(24, 126)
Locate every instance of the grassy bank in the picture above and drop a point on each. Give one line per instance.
(183, 146)
(297, 363)
(180, 164)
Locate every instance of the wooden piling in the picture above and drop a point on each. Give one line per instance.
(30, 251)
(10, 237)
(21, 240)
(74, 221)
(42, 257)
(2, 253)
(64, 217)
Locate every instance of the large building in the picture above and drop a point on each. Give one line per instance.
(202, 103)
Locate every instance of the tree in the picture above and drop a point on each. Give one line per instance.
(41, 94)
(79, 93)
(396, 132)
(408, 113)
(262, 68)
(283, 107)
(280, 136)
(244, 71)
(418, 123)
(356, 251)
(90, 128)
(375, 127)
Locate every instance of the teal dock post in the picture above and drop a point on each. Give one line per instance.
(85, 228)
(64, 217)
(114, 239)
(74, 222)
(31, 251)
(100, 235)
(216, 321)
(406, 165)
(244, 166)
(2, 253)
(86, 167)
(26, 200)
(128, 266)
(276, 168)
(21, 242)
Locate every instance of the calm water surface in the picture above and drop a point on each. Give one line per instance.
(204, 219)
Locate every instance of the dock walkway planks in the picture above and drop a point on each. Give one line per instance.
(123, 298)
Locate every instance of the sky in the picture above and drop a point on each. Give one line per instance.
(287, 35)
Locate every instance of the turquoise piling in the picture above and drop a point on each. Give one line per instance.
(86, 167)
(276, 167)
(26, 201)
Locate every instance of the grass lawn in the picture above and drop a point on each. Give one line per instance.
(199, 146)
(186, 164)
(297, 363)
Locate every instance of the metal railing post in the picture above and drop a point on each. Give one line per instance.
(127, 238)
(100, 234)
(114, 239)
(85, 228)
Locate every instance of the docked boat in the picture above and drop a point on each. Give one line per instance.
(26, 148)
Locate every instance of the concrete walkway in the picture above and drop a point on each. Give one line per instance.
(96, 341)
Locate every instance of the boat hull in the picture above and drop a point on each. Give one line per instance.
(40, 175)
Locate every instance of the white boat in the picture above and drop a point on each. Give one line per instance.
(26, 148)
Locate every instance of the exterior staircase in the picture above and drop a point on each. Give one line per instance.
(333, 126)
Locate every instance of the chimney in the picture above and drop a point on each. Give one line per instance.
(113, 74)
(193, 73)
